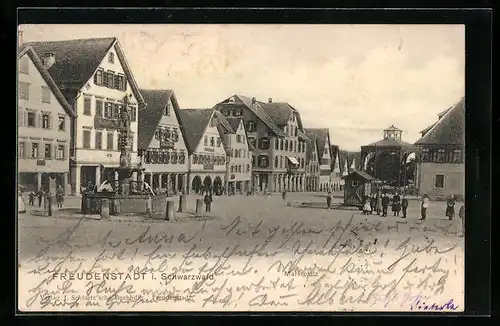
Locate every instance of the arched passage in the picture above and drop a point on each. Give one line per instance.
(218, 186)
(196, 184)
(207, 183)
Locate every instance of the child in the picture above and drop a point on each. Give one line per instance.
(366, 206)
(423, 207)
(404, 205)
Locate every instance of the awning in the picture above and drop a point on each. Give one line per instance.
(292, 160)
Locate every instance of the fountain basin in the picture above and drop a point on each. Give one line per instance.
(125, 204)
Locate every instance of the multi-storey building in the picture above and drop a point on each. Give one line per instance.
(239, 158)
(206, 153)
(441, 168)
(95, 78)
(322, 136)
(276, 134)
(161, 142)
(312, 164)
(336, 174)
(44, 118)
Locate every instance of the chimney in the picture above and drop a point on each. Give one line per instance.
(254, 100)
(270, 100)
(48, 59)
(19, 38)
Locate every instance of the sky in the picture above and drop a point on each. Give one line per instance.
(355, 80)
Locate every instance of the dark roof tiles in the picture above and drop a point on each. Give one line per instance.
(195, 122)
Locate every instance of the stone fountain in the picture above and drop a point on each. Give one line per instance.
(129, 195)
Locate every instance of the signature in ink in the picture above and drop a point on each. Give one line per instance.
(419, 304)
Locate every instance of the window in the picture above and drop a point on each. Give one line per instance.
(354, 183)
(252, 141)
(218, 142)
(441, 155)
(238, 139)
(212, 142)
(457, 156)
(110, 79)
(117, 81)
(24, 65)
(251, 126)
(98, 140)
(98, 77)
(239, 168)
(324, 161)
(111, 57)
(99, 108)
(86, 139)
(232, 169)
(31, 119)
(276, 143)
(281, 144)
(48, 151)
(60, 152)
(276, 162)
(22, 150)
(46, 93)
(34, 150)
(45, 121)
(426, 155)
(439, 182)
(62, 124)
(281, 162)
(294, 146)
(296, 131)
(264, 143)
(86, 106)
(133, 113)
(205, 141)
(248, 168)
(167, 109)
(108, 110)
(263, 161)
(24, 91)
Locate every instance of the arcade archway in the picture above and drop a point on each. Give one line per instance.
(218, 186)
(196, 184)
(207, 183)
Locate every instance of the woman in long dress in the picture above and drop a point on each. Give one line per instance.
(450, 207)
(20, 203)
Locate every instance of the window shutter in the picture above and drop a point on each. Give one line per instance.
(95, 78)
(21, 117)
(54, 152)
(40, 121)
(50, 121)
(27, 149)
(124, 84)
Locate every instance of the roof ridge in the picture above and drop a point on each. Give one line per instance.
(73, 40)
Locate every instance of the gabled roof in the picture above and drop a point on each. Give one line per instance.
(449, 130)
(234, 123)
(78, 59)
(195, 122)
(260, 113)
(310, 145)
(150, 117)
(28, 50)
(321, 135)
(335, 154)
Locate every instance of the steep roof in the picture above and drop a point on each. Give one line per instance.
(449, 130)
(150, 117)
(78, 59)
(310, 146)
(335, 153)
(320, 134)
(25, 49)
(195, 122)
(440, 115)
(234, 122)
(261, 113)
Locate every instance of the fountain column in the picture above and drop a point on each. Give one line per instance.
(97, 176)
(116, 181)
(140, 184)
(160, 184)
(134, 181)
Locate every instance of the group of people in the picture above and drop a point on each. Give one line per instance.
(379, 204)
(42, 194)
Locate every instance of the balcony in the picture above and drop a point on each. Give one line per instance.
(106, 123)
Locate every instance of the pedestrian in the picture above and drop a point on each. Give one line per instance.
(461, 215)
(385, 204)
(423, 207)
(379, 203)
(283, 194)
(329, 200)
(40, 197)
(450, 207)
(208, 202)
(396, 204)
(60, 196)
(366, 206)
(404, 205)
(373, 203)
(31, 198)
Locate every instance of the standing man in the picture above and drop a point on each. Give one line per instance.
(396, 204)
(208, 202)
(423, 207)
(329, 200)
(385, 204)
(404, 205)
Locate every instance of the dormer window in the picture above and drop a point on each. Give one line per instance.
(167, 110)
(111, 57)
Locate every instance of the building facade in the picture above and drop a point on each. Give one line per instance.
(322, 138)
(312, 165)
(239, 159)
(206, 154)
(276, 134)
(161, 142)
(95, 78)
(441, 167)
(44, 120)
(336, 174)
